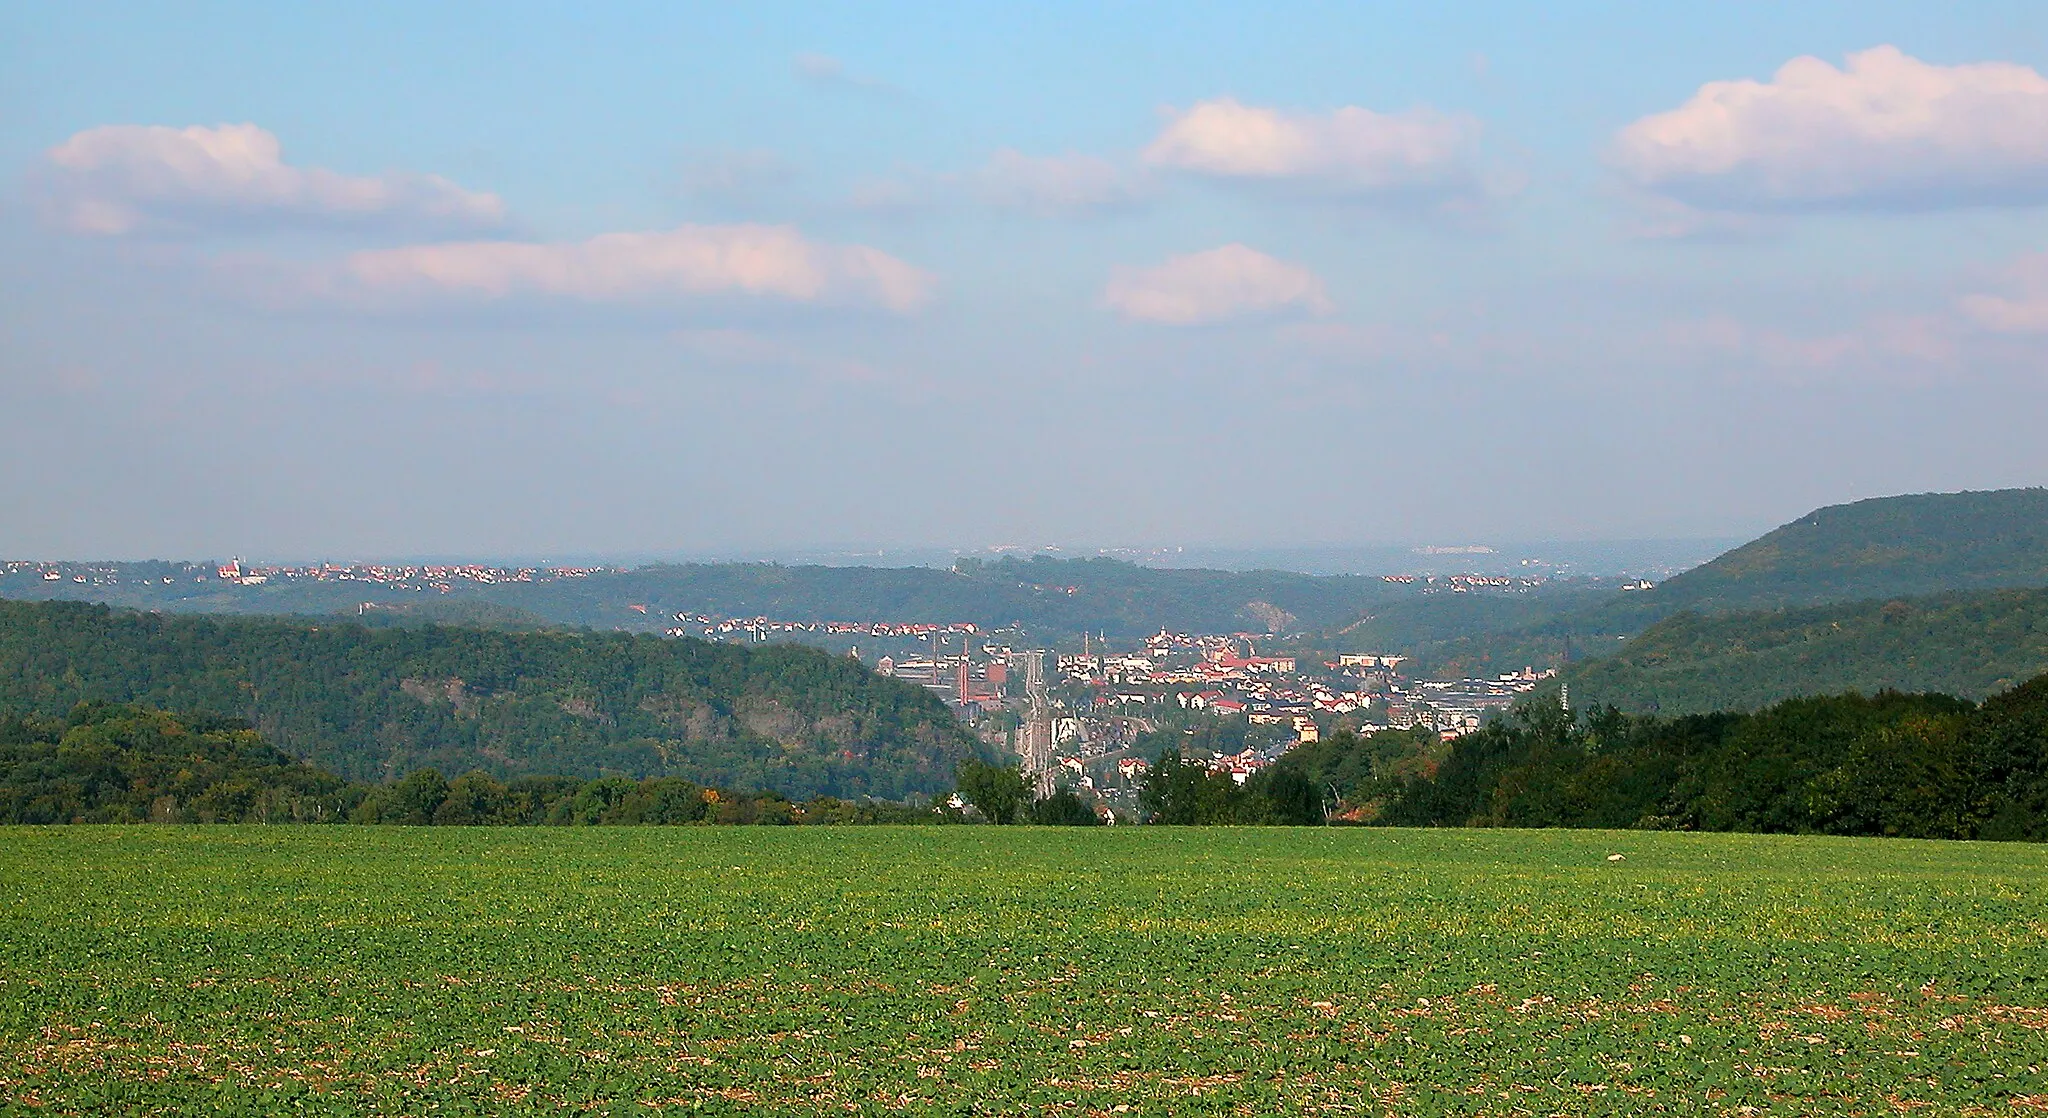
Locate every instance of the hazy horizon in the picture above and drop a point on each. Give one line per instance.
(1592, 558)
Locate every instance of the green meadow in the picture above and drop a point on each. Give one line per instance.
(996, 970)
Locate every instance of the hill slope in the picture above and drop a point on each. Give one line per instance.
(1886, 547)
(1053, 597)
(1868, 552)
(1967, 644)
(373, 703)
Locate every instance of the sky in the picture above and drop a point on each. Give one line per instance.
(381, 280)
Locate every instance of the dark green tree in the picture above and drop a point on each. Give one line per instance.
(997, 791)
(1181, 792)
(1288, 796)
(2008, 737)
(474, 799)
(412, 801)
(1064, 808)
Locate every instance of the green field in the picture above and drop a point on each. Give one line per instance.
(984, 970)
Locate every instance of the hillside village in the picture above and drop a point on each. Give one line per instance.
(1102, 714)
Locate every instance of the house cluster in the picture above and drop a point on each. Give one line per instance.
(89, 574)
(1170, 659)
(1242, 766)
(1222, 675)
(1277, 706)
(398, 576)
(714, 627)
(238, 572)
(1465, 584)
(1458, 706)
(1226, 677)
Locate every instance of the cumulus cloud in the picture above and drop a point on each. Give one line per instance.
(762, 261)
(125, 178)
(1887, 131)
(1222, 283)
(1058, 185)
(2021, 307)
(1415, 155)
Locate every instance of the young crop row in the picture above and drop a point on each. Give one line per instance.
(1016, 970)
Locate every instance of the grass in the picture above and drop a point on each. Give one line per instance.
(1153, 971)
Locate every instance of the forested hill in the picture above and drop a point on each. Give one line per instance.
(1971, 645)
(1887, 547)
(1859, 556)
(1053, 599)
(374, 703)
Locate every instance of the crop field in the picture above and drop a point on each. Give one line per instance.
(983, 970)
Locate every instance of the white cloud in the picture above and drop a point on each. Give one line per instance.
(764, 261)
(124, 178)
(1221, 283)
(1416, 155)
(1056, 185)
(1886, 131)
(2022, 308)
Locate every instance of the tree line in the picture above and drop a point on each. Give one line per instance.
(1912, 765)
(118, 763)
(1968, 644)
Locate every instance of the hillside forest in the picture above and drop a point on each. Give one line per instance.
(373, 703)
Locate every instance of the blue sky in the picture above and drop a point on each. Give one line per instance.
(520, 280)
